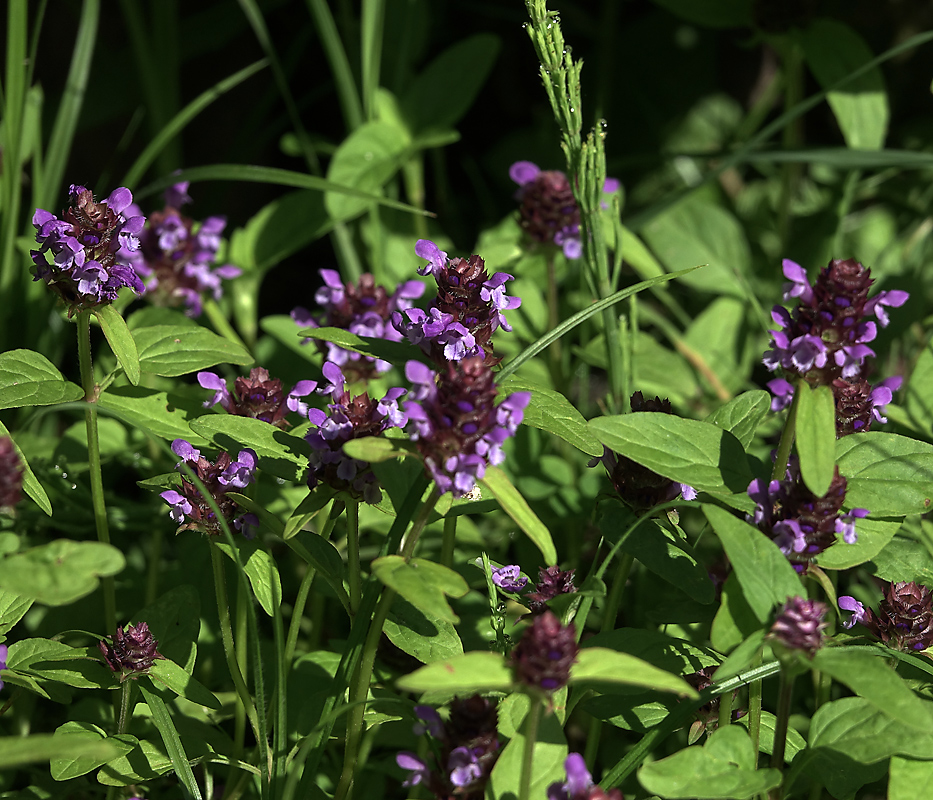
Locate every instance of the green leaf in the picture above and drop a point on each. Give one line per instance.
(60, 572)
(147, 762)
(261, 571)
(890, 475)
(422, 583)
(375, 449)
(175, 620)
(285, 330)
(742, 415)
(602, 665)
(816, 436)
(49, 660)
(158, 413)
(742, 657)
(515, 506)
(120, 340)
(668, 653)
(794, 743)
(17, 751)
(873, 537)
(396, 353)
(549, 755)
(444, 91)
(171, 351)
(906, 779)
(173, 745)
(30, 379)
(833, 50)
(31, 484)
(425, 637)
(723, 767)
(550, 411)
(365, 160)
(315, 500)
(735, 621)
(767, 578)
(280, 453)
(12, 609)
(905, 560)
(471, 672)
(685, 450)
(75, 764)
(660, 550)
(918, 393)
(179, 681)
(869, 677)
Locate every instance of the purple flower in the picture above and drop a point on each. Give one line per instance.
(3, 656)
(579, 784)
(543, 656)
(219, 477)
(904, 620)
(349, 418)
(552, 581)
(509, 578)
(467, 310)
(175, 258)
(257, 396)
(92, 247)
(848, 603)
(361, 308)
(131, 652)
(417, 768)
(800, 625)
(430, 722)
(464, 767)
(455, 423)
(11, 474)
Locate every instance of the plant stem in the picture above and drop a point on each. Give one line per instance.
(353, 554)
(93, 457)
(220, 322)
(725, 709)
(417, 525)
(754, 707)
(450, 539)
(126, 692)
(531, 735)
(242, 660)
(785, 695)
(787, 441)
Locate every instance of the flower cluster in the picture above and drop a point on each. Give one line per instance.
(638, 487)
(579, 784)
(91, 245)
(466, 748)
(11, 474)
(176, 256)
(361, 308)
(543, 656)
(552, 581)
(905, 616)
(800, 625)
(469, 306)
(456, 424)
(131, 652)
(349, 418)
(257, 396)
(800, 523)
(825, 340)
(219, 477)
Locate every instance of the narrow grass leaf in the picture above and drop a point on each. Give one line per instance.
(176, 751)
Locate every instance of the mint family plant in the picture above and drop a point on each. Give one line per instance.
(407, 467)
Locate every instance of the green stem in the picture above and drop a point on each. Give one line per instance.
(417, 525)
(93, 458)
(611, 611)
(531, 735)
(450, 539)
(242, 659)
(725, 709)
(126, 692)
(353, 554)
(787, 441)
(754, 708)
(220, 322)
(785, 695)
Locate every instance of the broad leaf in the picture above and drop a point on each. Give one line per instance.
(158, 413)
(17, 751)
(471, 672)
(171, 351)
(515, 506)
(396, 353)
(816, 436)
(873, 537)
(602, 665)
(31, 484)
(175, 620)
(425, 637)
(261, 571)
(74, 764)
(422, 583)
(742, 415)
(29, 379)
(169, 674)
(120, 340)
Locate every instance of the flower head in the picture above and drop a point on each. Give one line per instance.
(349, 418)
(552, 581)
(579, 784)
(257, 396)
(453, 419)
(219, 477)
(362, 308)
(509, 578)
(91, 247)
(131, 652)
(469, 306)
(11, 474)
(543, 656)
(904, 620)
(800, 625)
(176, 256)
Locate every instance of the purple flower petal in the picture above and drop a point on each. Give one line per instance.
(185, 451)
(426, 249)
(523, 172)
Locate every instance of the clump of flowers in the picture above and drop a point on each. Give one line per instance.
(904, 620)
(801, 524)
(800, 626)
(176, 256)
(131, 652)
(11, 474)
(637, 486)
(509, 578)
(348, 418)
(92, 247)
(552, 581)
(549, 212)
(543, 656)
(455, 423)
(579, 784)
(466, 747)
(191, 510)
(257, 396)
(362, 308)
(825, 339)
(469, 306)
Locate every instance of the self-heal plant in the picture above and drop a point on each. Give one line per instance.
(191, 510)
(455, 423)
(579, 784)
(362, 308)
(468, 308)
(131, 652)
(509, 578)
(544, 655)
(176, 256)
(11, 474)
(904, 620)
(91, 248)
(257, 396)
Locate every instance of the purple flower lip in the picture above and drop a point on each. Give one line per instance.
(509, 578)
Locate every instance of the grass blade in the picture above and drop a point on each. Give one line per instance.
(373, 16)
(339, 63)
(176, 751)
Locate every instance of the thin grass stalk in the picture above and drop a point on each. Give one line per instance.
(371, 25)
(347, 92)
